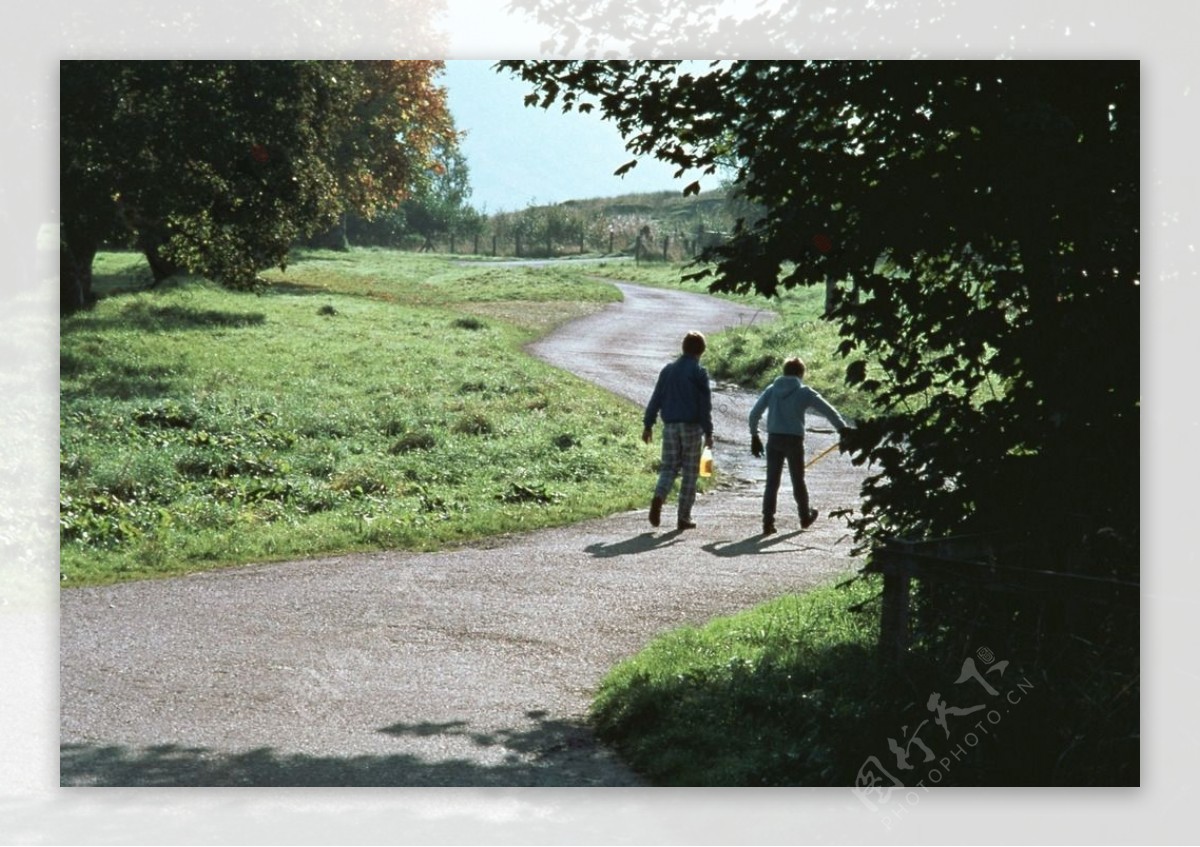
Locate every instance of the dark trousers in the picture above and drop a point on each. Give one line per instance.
(780, 449)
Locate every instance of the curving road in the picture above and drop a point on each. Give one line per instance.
(469, 667)
(623, 349)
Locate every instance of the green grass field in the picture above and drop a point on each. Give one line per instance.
(366, 400)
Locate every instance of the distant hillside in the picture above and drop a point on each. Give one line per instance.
(662, 224)
(668, 208)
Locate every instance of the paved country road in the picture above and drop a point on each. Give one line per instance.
(468, 667)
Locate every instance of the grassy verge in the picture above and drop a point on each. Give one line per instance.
(367, 400)
(667, 275)
(753, 355)
(791, 693)
(781, 695)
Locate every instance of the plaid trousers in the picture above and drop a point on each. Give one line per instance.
(682, 444)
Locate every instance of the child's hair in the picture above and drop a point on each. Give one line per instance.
(793, 367)
(694, 344)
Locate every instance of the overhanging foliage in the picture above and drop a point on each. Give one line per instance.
(980, 223)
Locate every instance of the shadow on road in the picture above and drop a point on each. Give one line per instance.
(643, 543)
(756, 545)
(551, 753)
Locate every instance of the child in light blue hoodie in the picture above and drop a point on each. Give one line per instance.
(786, 401)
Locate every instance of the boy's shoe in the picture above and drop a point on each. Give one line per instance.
(656, 511)
(685, 524)
(768, 527)
(807, 520)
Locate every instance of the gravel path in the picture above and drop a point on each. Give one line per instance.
(469, 667)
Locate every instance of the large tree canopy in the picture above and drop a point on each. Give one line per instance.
(980, 221)
(219, 167)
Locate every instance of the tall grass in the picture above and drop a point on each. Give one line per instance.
(367, 400)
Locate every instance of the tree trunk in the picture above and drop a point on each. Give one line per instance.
(75, 276)
(335, 238)
(831, 296)
(160, 268)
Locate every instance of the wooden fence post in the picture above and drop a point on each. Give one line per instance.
(893, 617)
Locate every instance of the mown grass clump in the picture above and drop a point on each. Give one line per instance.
(201, 427)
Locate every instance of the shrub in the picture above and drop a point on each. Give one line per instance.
(469, 323)
(415, 440)
(473, 424)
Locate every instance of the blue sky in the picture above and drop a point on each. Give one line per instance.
(518, 155)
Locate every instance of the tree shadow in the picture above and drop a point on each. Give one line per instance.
(425, 729)
(756, 545)
(794, 716)
(170, 318)
(298, 289)
(643, 543)
(552, 752)
(805, 714)
(98, 376)
(94, 378)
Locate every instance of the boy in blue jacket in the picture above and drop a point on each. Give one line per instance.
(786, 401)
(683, 397)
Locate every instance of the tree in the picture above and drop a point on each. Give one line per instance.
(218, 168)
(436, 208)
(440, 207)
(470, 224)
(980, 223)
